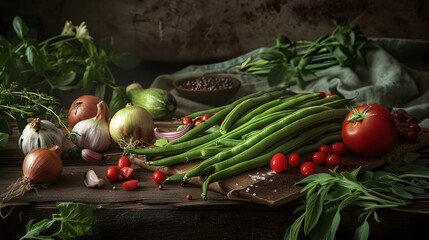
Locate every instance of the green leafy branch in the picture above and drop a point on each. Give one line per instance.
(76, 220)
(327, 194)
(296, 62)
(64, 62)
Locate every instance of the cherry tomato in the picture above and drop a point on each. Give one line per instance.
(308, 168)
(324, 148)
(206, 116)
(294, 160)
(329, 95)
(158, 177)
(189, 196)
(319, 158)
(333, 160)
(410, 136)
(338, 148)
(127, 173)
(198, 121)
(186, 120)
(130, 185)
(415, 127)
(124, 162)
(369, 130)
(112, 173)
(278, 162)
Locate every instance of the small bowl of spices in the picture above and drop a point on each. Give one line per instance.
(213, 89)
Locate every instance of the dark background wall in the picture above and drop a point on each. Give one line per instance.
(168, 34)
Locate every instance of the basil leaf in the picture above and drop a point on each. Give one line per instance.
(35, 58)
(33, 230)
(77, 220)
(88, 78)
(19, 26)
(118, 101)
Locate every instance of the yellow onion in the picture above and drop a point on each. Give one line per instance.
(40, 167)
(130, 124)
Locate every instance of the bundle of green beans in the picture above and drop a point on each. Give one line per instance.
(252, 129)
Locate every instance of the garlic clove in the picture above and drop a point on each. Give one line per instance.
(91, 156)
(91, 179)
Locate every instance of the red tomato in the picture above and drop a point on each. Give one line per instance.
(278, 162)
(308, 168)
(333, 160)
(186, 120)
(124, 162)
(189, 196)
(319, 158)
(294, 160)
(158, 177)
(338, 148)
(198, 121)
(130, 185)
(206, 116)
(369, 130)
(127, 173)
(112, 173)
(324, 148)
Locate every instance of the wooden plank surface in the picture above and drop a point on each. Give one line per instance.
(272, 190)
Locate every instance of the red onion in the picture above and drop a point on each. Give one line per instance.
(172, 135)
(40, 167)
(85, 107)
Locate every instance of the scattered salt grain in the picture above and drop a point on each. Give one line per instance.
(254, 194)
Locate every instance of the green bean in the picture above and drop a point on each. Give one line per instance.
(245, 106)
(220, 115)
(168, 150)
(228, 142)
(263, 160)
(340, 103)
(211, 151)
(234, 134)
(259, 109)
(319, 101)
(291, 124)
(219, 108)
(308, 135)
(210, 110)
(288, 103)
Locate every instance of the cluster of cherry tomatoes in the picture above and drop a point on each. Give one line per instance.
(198, 120)
(325, 155)
(407, 126)
(124, 171)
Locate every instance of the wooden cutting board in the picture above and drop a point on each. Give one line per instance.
(264, 187)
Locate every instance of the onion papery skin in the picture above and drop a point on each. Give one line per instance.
(43, 166)
(85, 107)
(132, 123)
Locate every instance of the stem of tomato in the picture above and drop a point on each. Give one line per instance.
(360, 116)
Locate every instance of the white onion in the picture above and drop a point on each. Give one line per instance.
(130, 124)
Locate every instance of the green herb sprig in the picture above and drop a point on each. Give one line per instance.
(327, 194)
(296, 62)
(64, 62)
(76, 220)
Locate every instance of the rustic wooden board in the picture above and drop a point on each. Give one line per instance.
(278, 189)
(274, 190)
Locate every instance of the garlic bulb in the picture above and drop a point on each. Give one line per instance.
(93, 133)
(40, 134)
